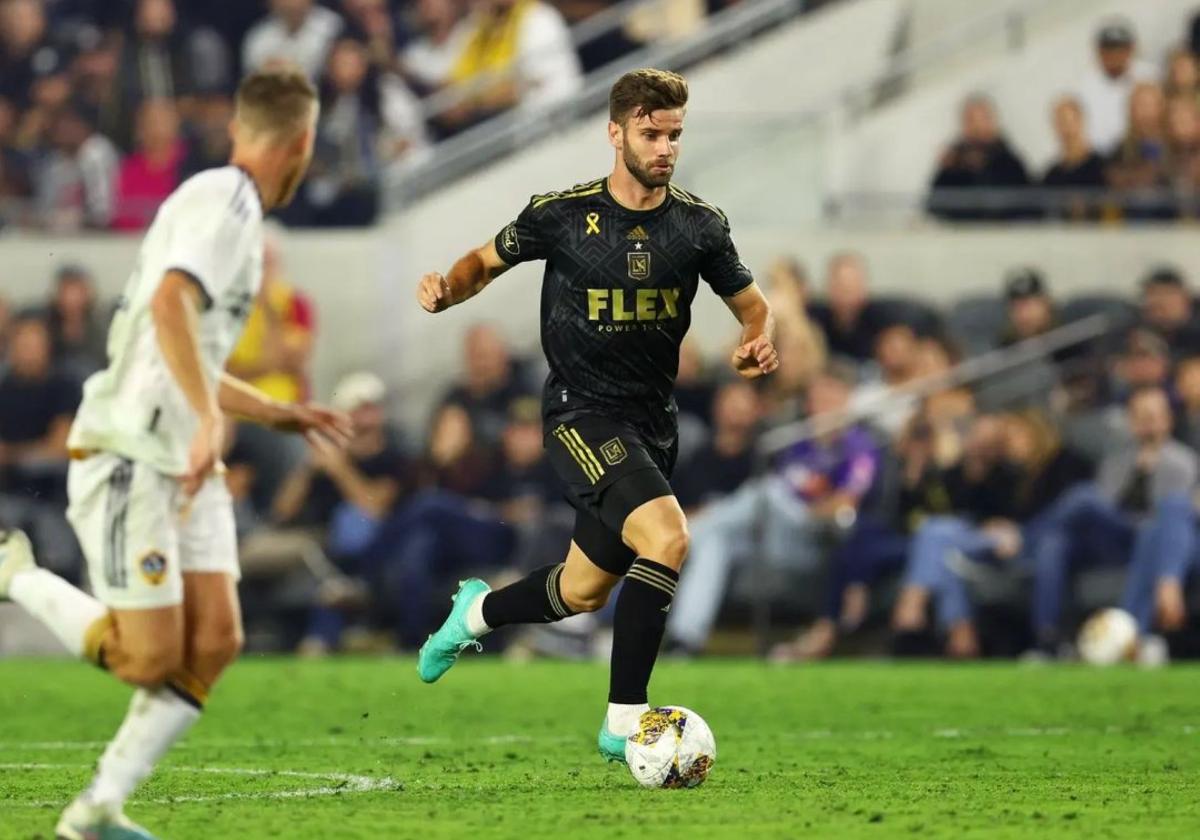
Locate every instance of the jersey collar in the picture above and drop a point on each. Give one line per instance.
(647, 212)
(246, 172)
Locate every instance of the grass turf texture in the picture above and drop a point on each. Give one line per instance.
(499, 750)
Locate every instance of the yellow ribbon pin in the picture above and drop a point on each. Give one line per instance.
(593, 223)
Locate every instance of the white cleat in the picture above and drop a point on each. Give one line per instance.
(16, 555)
(84, 820)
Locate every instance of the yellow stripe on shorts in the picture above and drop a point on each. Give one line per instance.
(580, 458)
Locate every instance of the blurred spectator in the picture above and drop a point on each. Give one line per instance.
(152, 172)
(980, 159)
(1145, 363)
(1105, 89)
(274, 353)
(517, 53)
(1078, 166)
(6, 316)
(77, 179)
(848, 318)
(605, 47)
(49, 92)
(525, 485)
(725, 461)
(457, 459)
(1140, 502)
(162, 59)
(1138, 166)
(299, 31)
(1183, 155)
(366, 476)
(374, 23)
(23, 48)
(368, 121)
(1187, 413)
(78, 327)
(208, 141)
(815, 485)
(798, 338)
(1183, 76)
(275, 350)
(883, 402)
(429, 59)
(1168, 310)
(37, 404)
(15, 185)
(1030, 307)
(693, 389)
(490, 382)
(980, 492)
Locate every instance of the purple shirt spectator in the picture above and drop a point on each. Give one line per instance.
(814, 470)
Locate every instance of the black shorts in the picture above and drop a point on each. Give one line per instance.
(610, 471)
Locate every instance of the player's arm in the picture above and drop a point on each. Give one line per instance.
(175, 310)
(241, 399)
(755, 355)
(466, 278)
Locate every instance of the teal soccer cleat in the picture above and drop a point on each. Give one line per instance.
(441, 650)
(612, 747)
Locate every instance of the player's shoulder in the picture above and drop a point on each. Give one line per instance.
(692, 203)
(567, 196)
(224, 189)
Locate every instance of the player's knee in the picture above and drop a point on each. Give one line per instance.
(217, 647)
(152, 665)
(669, 545)
(584, 597)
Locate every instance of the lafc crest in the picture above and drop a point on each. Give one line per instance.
(639, 265)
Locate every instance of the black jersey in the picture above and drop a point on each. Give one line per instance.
(617, 296)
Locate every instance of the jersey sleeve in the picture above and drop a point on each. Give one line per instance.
(209, 234)
(526, 238)
(721, 267)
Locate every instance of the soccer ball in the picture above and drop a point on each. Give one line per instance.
(1108, 637)
(672, 748)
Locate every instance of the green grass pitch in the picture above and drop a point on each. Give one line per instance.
(360, 748)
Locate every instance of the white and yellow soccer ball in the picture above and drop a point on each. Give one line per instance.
(672, 748)
(1109, 636)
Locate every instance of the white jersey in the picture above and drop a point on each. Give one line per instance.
(210, 229)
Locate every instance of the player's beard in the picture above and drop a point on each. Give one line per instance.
(291, 183)
(641, 171)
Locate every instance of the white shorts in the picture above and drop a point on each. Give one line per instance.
(139, 536)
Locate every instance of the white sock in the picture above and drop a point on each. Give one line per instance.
(476, 626)
(66, 610)
(623, 717)
(156, 719)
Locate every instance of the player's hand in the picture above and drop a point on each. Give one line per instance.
(433, 292)
(324, 454)
(204, 455)
(310, 418)
(756, 358)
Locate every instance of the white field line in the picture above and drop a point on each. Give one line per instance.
(334, 741)
(345, 783)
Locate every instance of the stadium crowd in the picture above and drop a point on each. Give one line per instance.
(107, 105)
(982, 518)
(1128, 145)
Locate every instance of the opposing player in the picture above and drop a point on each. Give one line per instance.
(623, 258)
(146, 497)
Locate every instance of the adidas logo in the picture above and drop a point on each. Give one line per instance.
(638, 234)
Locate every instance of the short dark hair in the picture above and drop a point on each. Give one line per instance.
(640, 92)
(277, 99)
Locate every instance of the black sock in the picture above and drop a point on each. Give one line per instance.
(534, 599)
(638, 627)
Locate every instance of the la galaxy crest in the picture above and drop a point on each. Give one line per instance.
(153, 567)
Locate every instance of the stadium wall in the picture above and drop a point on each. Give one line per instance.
(363, 282)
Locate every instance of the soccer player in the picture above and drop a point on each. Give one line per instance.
(147, 499)
(624, 255)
